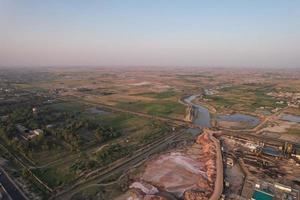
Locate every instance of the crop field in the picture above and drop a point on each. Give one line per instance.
(248, 98)
(159, 95)
(161, 108)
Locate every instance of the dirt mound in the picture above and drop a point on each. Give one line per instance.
(144, 187)
(195, 195)
(137, 194)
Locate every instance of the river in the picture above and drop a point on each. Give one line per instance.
(203, 117)
(290, 118)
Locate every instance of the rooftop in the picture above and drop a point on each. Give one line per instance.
(261, 195)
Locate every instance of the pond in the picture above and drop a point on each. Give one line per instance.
(290, 118)
(271, 151)
(250, 120)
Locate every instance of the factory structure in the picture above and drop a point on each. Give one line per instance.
(253, 153)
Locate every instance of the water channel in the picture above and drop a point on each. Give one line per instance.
(203, 117)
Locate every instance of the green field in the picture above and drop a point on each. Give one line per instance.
(293, 131)
(160, 95)
(133, 133)
(67, 106)
(99, 192)
(158, 108)
(245, 97)
(55, 177)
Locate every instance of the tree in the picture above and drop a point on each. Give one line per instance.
(98, 134)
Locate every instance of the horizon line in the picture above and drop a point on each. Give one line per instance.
(144, 66)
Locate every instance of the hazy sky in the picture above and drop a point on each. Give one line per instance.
(260, 33)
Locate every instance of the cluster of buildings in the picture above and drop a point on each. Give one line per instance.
(255, 188)
(212, 91)
(209, 92)
(256, 154)
(293, 99)
(27, 134)
(263, 190)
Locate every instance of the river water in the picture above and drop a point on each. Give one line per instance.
(203, 117)
(290, 118)
(250, 120)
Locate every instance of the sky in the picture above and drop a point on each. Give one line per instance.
(211, 33)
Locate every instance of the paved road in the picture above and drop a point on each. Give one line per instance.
(10, 187)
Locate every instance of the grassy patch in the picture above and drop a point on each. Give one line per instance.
(116, 120)
(159, 108)
(159, 95)
(55, 177)
(45, 156)
(133, 126)
(247, 97)
(68, 106)
(293, 131)
(221, 101)
(99, 192)
(293, 111)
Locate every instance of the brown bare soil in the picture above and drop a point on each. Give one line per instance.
(189, 173)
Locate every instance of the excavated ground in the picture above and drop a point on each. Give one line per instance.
(189, 173)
